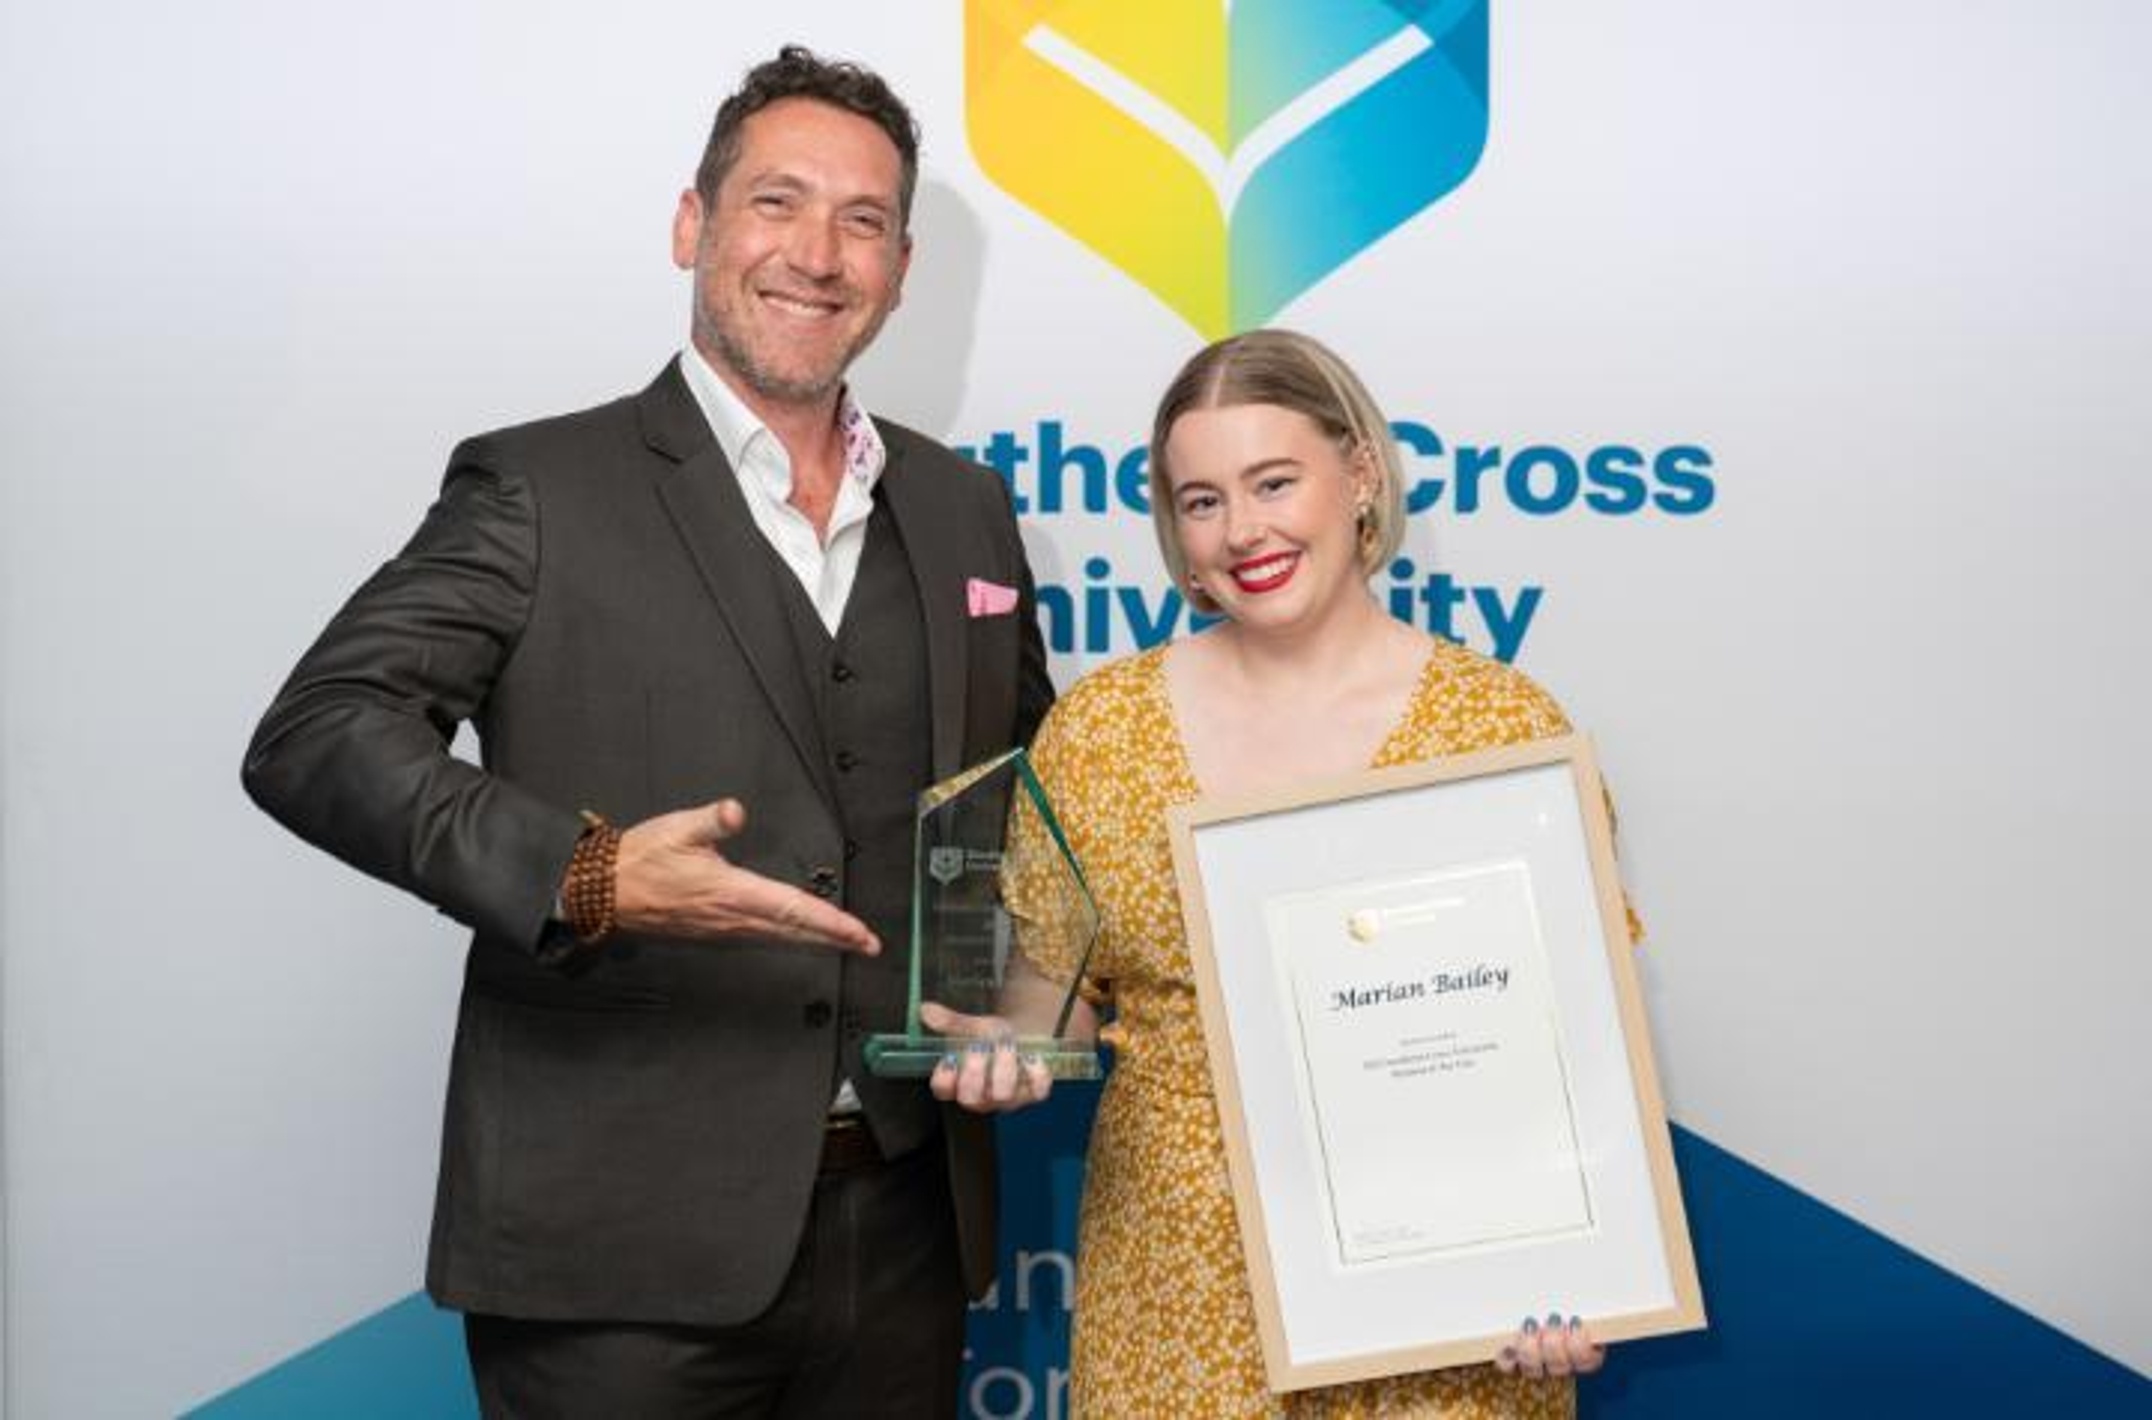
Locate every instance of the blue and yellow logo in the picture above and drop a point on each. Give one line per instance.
(1228, 157)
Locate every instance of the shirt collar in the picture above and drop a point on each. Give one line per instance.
(747, 442)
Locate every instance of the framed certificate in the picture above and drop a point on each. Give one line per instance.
(1432, 1064)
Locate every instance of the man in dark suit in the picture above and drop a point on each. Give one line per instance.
(747, 623)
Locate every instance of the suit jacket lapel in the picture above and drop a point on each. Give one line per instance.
(924, 519)
(702, 496)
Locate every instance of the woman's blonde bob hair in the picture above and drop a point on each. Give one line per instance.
(1296, 372)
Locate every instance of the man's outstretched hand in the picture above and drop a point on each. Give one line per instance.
(672, 881)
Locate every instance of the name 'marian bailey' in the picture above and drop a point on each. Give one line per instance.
(1481, 977)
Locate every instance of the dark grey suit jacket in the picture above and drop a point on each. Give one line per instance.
(634, 1135)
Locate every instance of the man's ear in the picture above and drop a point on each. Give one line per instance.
(904, 266)
(687, 229)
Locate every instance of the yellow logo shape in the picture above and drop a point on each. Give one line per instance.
(1075, 159)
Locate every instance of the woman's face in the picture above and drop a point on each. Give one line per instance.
(1264, 507)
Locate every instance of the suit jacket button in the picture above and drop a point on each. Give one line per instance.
(816, 1014)
(846, 761)
(822, 880)
(840, 672)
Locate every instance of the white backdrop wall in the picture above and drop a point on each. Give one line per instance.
(1868, 713)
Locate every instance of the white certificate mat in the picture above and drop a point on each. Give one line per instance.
(1418, 1008)
(1433, 1069)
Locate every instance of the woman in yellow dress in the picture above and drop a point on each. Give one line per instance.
(1276, 493)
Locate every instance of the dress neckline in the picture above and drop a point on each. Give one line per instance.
(1183, 785)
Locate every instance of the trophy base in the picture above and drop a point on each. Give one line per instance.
(914, 1057)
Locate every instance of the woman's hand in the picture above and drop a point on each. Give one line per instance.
(987, 1074)
(1553, 1347)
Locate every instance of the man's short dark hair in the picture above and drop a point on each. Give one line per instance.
(799, 73)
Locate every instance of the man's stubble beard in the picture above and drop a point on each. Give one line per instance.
(712, 335)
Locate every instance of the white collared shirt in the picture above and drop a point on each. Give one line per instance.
(825, 569)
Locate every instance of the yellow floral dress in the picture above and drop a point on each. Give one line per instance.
(1164, 1323)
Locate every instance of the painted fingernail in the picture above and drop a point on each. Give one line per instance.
(949, 1060)
(1554, 1321)
(1031, 1058)
(980, 1047)
(1531, 1326)
(1576, 1323)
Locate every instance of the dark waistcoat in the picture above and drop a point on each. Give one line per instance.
(870, 699)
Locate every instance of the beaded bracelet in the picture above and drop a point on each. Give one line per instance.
(587, 896)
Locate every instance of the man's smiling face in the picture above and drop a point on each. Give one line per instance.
(801, 256)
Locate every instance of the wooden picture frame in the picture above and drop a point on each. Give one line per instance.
(1392, 962)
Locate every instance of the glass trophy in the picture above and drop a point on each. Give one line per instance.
(999, 912)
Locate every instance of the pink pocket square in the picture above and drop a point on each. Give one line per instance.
(984, 598)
